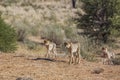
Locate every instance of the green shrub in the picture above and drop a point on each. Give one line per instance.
(116, 61)
(30, 44)
(115, 32)
(71, 33)
(89, 48)
(21, 34)
(34, 31)
(21, 29)
(7, 37)
(88, 56)
(54, 33)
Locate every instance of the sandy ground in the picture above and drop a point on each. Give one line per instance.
(24, 63)
(37, 67)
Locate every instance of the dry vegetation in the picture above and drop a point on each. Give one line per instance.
(32, 64)
(38, 15)
(38, 68)
(29, 61)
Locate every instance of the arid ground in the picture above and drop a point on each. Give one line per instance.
(35, 66)
(33, 17)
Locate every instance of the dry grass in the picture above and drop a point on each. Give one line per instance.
(31, 16)
(38, 68)
(33, 64)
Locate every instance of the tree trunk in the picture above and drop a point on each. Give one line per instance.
(74, 3)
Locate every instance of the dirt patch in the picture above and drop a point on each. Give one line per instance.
(40, 68)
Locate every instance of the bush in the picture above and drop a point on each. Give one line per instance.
(116, 61)
(71, 33)
(7, 37)
(34, 31)
(21, 30)
(54, 33)
(88, 56)
(24, 28)
(89, 48)
(30, 44)
(21, 34)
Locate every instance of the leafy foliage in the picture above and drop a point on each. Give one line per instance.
(7, 37)
(101, 19)
(30, 44)
(71, 33)
(21, 34)
(53, 32)
(115, 27)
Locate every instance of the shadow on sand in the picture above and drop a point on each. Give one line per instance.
(48, 59)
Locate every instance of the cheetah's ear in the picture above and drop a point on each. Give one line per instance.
(46, 41)
(103, 48)
(65, 43)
